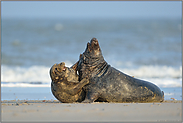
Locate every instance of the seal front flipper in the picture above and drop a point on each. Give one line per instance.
(91, 97)
(77, 88)
(87, 101)
(75, 66)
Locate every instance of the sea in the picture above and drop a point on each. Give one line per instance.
(148, 49)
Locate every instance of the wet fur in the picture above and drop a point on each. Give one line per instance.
(65, 85)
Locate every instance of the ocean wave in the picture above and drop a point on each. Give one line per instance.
(165, 82)
(19, 84)
(162, 76)
(154, 71)
(21, 74)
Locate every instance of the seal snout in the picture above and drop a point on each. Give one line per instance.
(62, 66)
(94, 41)
(62, 63)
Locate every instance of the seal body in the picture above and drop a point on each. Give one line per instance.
(65, 85)
(109, 84)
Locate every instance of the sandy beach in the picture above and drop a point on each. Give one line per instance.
(54, 111)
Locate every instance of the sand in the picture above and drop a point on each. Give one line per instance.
(54, 111)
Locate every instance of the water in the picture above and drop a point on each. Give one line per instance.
(146, 49)
(40, 93)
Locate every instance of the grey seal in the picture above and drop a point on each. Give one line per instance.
(65, 85)
(109, 84)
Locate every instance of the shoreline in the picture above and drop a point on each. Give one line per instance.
(55, 111)
(57, 101)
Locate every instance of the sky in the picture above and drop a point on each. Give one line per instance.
(91, 9)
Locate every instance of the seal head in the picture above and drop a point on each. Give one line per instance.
(93, 49)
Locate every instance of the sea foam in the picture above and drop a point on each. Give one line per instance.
(162, 76)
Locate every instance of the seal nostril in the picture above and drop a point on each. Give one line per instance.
(94, 41)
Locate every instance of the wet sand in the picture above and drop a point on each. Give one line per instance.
(54, 111)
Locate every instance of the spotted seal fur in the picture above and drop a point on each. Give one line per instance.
(65, 85)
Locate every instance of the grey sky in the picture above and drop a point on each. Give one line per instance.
(92, 9)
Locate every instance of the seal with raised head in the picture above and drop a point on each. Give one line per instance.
(65, 85)
(111, 85)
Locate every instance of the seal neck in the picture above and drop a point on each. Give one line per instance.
(97, 65)
(92, 61)
(101, 69)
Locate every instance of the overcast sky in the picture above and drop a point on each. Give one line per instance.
(92, 9)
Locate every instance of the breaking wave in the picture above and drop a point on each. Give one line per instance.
(38, 76)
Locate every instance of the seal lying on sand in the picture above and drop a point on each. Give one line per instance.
(65, 85)
(110, 85)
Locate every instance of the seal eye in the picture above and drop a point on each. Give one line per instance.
(56, 70)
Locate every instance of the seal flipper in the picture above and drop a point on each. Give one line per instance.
(90, 97)
(162, 97)
(75, 66)
(77, 88)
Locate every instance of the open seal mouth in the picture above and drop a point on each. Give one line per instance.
(64, 68)
(59, 68)
(93, 45)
